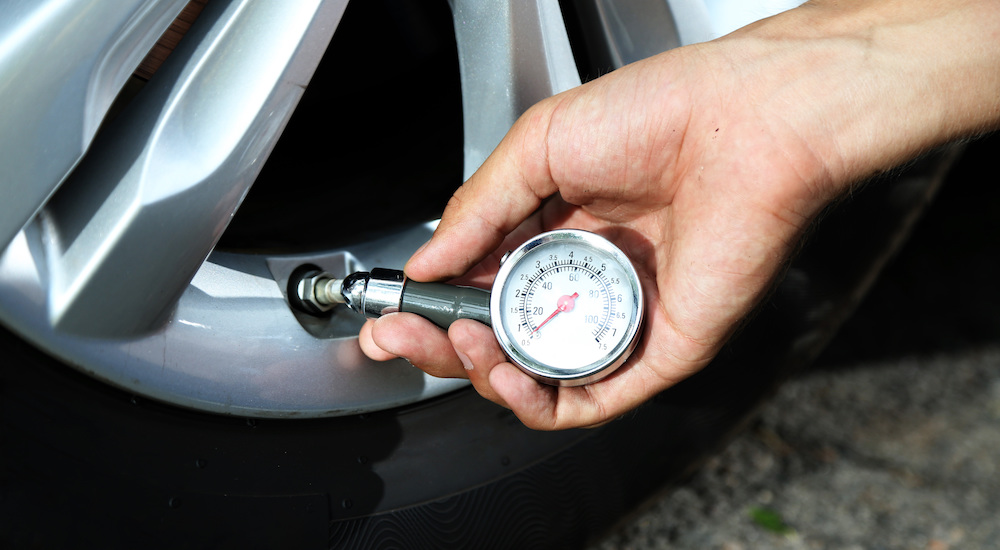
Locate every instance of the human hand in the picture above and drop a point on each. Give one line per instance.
(705, 164)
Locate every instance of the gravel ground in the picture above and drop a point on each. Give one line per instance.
(891, 440)
(894, 454)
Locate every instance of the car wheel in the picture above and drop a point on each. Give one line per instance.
(158, 390)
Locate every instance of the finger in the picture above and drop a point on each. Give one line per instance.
(479, 352)
(543, 407)
(368, 345)
(555, 213)
(506, 189)
(531, 401)
(419, 341)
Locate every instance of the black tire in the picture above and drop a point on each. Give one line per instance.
(86, 465)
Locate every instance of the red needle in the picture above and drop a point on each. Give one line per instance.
(565, 303)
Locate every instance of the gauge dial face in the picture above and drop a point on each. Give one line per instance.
(567, 307)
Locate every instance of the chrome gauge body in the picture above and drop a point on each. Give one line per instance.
(567, 307)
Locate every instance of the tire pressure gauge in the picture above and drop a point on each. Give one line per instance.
(566, 306)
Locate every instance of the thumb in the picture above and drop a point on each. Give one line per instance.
(506, 189)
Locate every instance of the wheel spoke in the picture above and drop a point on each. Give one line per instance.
(511, 55)
(136, 219)
(51, 110)
(624, 31)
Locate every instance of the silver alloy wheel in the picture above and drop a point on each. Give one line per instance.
(116, 275)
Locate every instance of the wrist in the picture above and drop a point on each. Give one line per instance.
(871, 84)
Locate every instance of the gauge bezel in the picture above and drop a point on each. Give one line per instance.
(614, 357)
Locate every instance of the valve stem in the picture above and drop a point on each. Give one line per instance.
(317, 292)
(328, 290)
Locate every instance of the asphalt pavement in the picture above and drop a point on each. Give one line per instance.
(892, 439)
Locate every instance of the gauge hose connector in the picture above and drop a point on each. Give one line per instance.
(382, 291)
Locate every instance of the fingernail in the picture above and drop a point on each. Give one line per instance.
(415, 254)
(465, 360)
